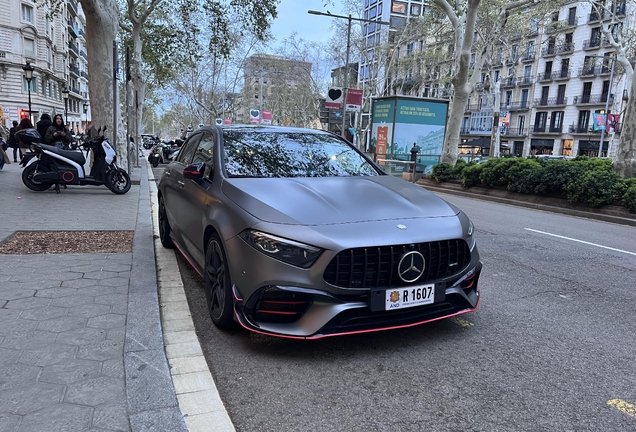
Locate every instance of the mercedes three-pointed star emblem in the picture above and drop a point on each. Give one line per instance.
(411, 266)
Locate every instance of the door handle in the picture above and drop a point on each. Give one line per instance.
(182, 183)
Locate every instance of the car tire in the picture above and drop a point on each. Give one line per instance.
(164, 226)
(218, 285)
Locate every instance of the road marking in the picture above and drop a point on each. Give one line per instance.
(461, 322)
(581, 241)
(623, 406)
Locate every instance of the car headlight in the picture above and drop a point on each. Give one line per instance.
(471, 236)
(289, 251)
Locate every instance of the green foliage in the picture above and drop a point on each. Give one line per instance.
(459, 167)
(443, 172)
(471, 175)
(508, 172)
(629, 198)
(594, 188)
(593, 164)
(550, 178)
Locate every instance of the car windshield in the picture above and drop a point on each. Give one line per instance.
(291, 154)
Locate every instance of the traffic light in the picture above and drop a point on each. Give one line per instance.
(23, 114)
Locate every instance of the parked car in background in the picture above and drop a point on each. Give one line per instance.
(298, 234)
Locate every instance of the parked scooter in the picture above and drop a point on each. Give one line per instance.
(48, 166)
(163, 153)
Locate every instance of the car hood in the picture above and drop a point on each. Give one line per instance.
(334, 200)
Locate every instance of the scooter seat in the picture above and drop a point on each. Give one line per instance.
(75, 156)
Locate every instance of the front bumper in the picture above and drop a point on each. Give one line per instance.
(302, 313)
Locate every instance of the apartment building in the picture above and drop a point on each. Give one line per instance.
(56, 49)
(280, 85)
(553, 78)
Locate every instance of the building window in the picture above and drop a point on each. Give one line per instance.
(27, 13)
(398, 8)
(29, 47)
(34, 84)
(416, 10)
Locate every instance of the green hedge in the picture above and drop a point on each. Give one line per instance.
(585, 180)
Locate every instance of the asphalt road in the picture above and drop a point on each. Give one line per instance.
(552, 347)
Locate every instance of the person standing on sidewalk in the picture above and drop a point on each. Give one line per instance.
(12, 143)
(57, 135)
(43, 125)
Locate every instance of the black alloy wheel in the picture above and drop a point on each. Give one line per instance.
(218, 286)
(27, 178)
(118, 181)
(164, 226)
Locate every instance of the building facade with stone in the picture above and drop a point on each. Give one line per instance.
(55, 46)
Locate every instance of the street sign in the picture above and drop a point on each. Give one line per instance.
(334, 98)
(218, 122)
(354, 99)
(227, 121)
(255, 116)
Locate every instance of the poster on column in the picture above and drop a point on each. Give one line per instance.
(382, 127)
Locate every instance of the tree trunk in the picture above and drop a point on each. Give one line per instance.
(625, 157)
(138, 84)
(495, 144)
(102, 17)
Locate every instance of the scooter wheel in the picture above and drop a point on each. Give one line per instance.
(27, 179)
(155, 162)
(118, 181)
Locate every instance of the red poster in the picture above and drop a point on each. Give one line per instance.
(381, 140)
(266, 117)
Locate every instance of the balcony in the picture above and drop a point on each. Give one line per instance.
(81, 33)
(508, 83)
(590, 71)
(545, 76)
(515, 131)
(515, 106)
(84, 75)
(74, 70)
(72, 28)
(75, 90)
(549, 51)
(560, 75)
(561, 26)
(592, 44)
(595, 16)
(525, 81)
(579, 130)
(591, 99)
(565, 48)
(551, 102)
(546, 130)
(73, 49)
(528, 57)
(83, 55)
(72, 6)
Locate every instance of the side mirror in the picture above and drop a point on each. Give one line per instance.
(194, 171)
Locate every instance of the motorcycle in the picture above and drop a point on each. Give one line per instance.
(162, 153)
(47, 166)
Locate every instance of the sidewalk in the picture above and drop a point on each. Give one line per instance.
(81, 345)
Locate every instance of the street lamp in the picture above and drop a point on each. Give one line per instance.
(349, 18)
(65, 96)
(28, 74)
(85, 106)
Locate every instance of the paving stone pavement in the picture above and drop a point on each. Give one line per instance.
(80, 338)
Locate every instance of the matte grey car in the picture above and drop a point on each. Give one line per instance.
(298, 234)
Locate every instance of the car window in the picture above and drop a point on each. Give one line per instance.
(188, 148)
(205, 153)
(291, 154)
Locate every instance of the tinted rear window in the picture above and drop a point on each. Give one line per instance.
(291, 154)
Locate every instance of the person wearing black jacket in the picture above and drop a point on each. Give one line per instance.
(12, 143)
(57, 134)
(43, 125)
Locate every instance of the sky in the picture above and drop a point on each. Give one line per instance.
(293, 17)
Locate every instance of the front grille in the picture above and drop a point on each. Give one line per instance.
(376, 267)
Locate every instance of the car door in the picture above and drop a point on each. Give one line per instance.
(196, 198)
(173, 192)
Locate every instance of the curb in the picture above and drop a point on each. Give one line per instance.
(532, 205)
(199, 400)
